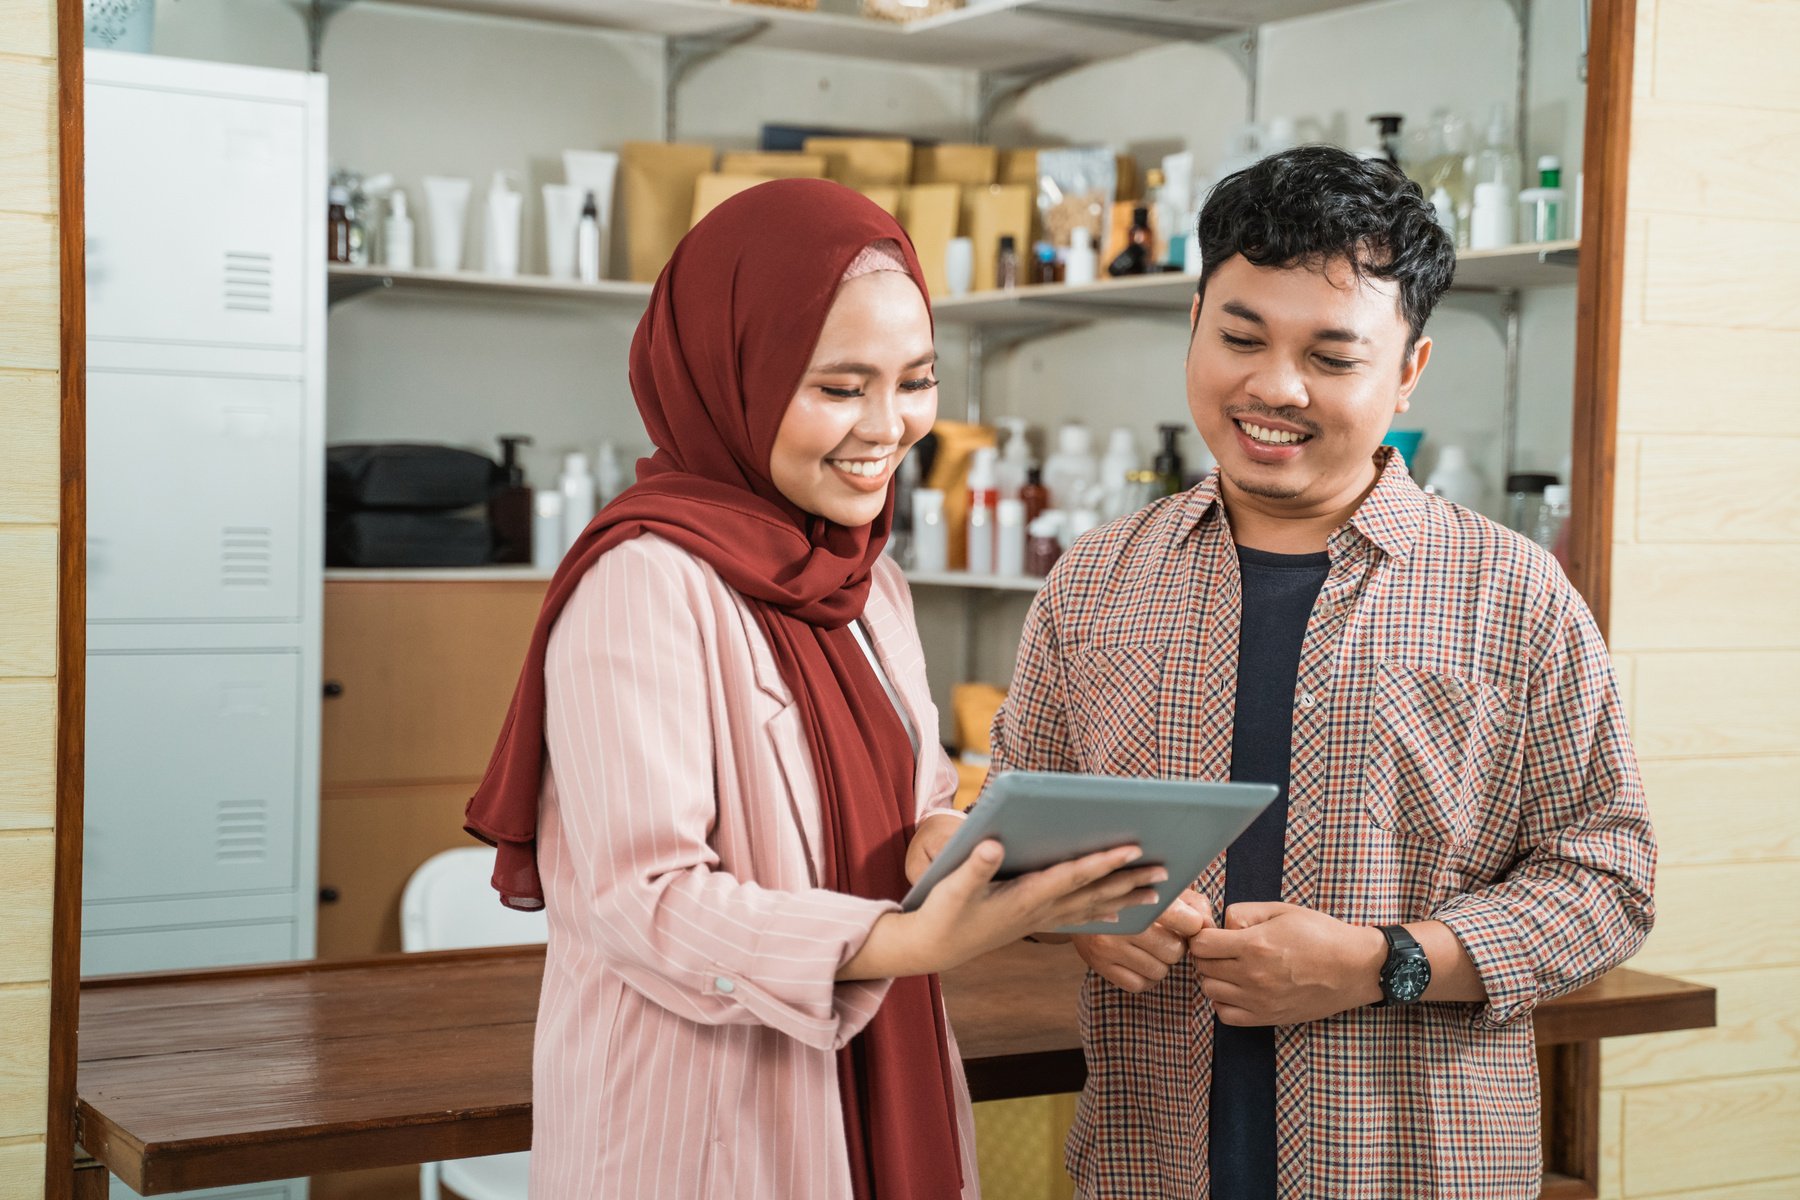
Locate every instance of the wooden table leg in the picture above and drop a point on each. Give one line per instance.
(90, 1179)
(1570, 1078)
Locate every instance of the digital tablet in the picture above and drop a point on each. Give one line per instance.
(1043, 819)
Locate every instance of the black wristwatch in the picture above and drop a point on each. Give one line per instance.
(1407, 972)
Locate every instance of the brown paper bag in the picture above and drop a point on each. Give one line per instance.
(713, 189)
(772, 164)
(995, 212)
(930, 214)
(972, 166)
(1127, 186)
(1018, 166)
(656, 193)
(957, 443)
(864, 162)
(887, 197)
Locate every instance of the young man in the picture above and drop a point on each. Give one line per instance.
(1461, 832)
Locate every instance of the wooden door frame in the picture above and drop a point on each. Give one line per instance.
(1574, 1090)
(71, 610)
(1599, 304)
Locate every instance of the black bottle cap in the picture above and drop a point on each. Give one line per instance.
(510, 469)
(589, 206)
(1140, 215)
(1008, 243)
(1170, 434)
(1389, 122)
(1034, 476)
(1528, 481)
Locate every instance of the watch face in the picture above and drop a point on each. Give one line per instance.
(1408, 979)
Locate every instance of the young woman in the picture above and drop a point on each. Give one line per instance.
(720, 769)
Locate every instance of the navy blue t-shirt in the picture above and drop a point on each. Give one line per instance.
(1279, 592)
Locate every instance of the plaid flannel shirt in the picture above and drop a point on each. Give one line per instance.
(1459, 754)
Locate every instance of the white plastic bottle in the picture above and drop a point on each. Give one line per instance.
(1015, 458)
(1009, 552)
(1121, 460)
(1456, 479)
(397, 234)
(1072, 471)
(609, 473)
(501, 246)
(1492, 221)
(984, 500)
(587, 242)
(547, 544)
(1551, 516)
(1083, 262)
(577, 488)
(931, 541)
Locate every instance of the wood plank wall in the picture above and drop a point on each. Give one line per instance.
(1706, 592)
(29, 505)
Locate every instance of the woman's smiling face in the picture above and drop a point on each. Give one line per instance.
(868, 395)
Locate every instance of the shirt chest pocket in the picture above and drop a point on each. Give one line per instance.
(1113, 707)
(1433, 739)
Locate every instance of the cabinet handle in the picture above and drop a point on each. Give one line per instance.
(328, 895)
(333, 689)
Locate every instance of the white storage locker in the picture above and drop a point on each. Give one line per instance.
(206, 324)
(196, 205)
(195, 791)
(207, 529)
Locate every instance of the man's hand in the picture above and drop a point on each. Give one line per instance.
(1279, 964)
(933, 833)
(1140, 961)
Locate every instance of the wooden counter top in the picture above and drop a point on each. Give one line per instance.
(212, 1078)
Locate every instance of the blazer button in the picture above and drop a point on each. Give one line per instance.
(724, 985)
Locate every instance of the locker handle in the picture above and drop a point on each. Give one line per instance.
(333, 689)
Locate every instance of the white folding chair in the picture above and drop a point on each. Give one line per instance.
(448, 905)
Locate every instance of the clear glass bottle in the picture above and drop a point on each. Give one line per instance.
(1552, 515)
(1497, 159)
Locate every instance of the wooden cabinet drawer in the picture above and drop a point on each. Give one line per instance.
(370, 843)
(418, 676)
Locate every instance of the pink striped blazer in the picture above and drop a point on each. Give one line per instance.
(689, 1019)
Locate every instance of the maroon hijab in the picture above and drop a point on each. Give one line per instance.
(731, 328)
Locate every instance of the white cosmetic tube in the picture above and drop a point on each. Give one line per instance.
(446, 208)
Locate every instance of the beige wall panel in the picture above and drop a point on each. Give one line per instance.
(29, 292)
(1693, 380)
(30, 411)
(1694, 597)
(22, 1171)
(1631, 278)
(1728, 52)
(1718, 271)
(1625, 491)
(1720, 705)
(1751, 167)
(27, 600)
(1682, 1138)
(24, 1060)
(1758, 1031)
(1612, 1144)
(1766, 1189)
(1643, 69)
(28, 27)
(1718, 489)
(1625, 669)
(25, 877)
(28, 147)
(1709, 811)
(1703, 918)
(27, 753)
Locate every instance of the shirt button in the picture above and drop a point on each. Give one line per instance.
(1307, 700)
(724, 985)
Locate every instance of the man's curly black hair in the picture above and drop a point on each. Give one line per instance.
(1315, 205)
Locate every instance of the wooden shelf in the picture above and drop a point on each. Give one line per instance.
(343, 282)
(988, 35)
(1549, 264)
(984, 583)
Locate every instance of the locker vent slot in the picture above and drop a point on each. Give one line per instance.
(246, 556)
(243, 833)
(249, 282)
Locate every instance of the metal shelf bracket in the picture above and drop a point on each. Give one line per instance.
(682, 54)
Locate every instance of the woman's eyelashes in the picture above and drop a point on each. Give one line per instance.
(856, 393)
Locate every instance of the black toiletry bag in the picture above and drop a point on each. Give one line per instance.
(407, 478)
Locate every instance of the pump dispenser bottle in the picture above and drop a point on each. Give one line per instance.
(510, 505)
(1168, 466)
